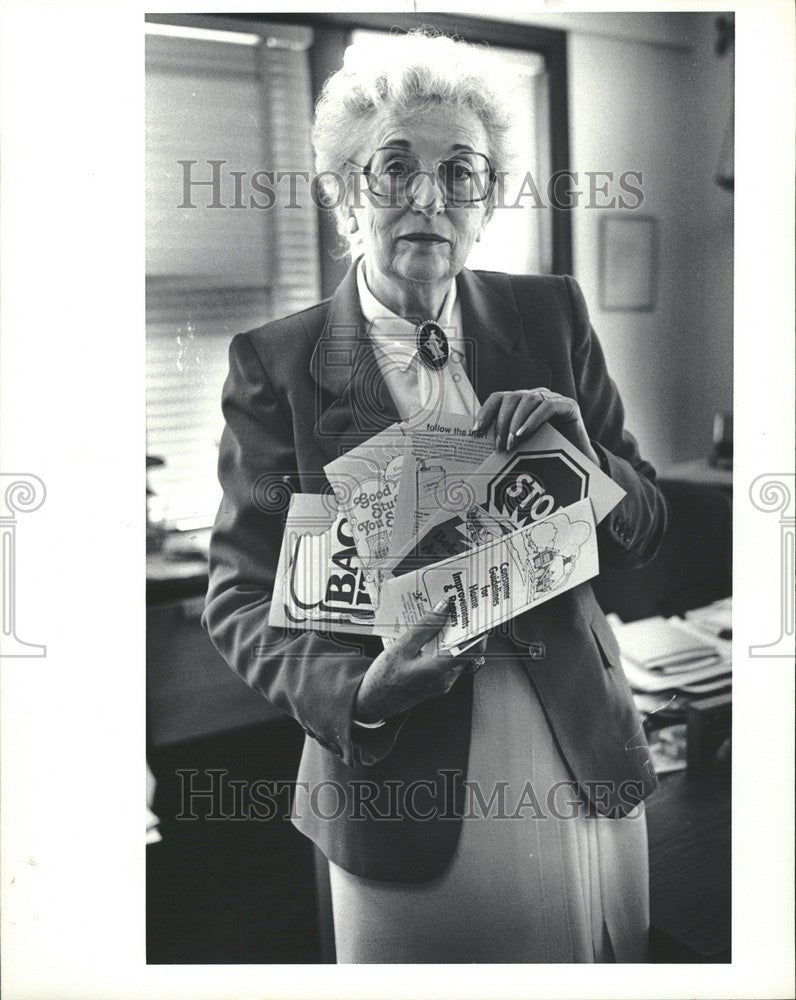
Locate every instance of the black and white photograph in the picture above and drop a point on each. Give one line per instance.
(453, 355)
(326, 186)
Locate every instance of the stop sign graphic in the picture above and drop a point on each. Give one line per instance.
(530, 487)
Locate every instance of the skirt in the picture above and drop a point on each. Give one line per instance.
(535, 877)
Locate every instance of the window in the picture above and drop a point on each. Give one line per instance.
(214, 269)
(516, 240)
(238, 92)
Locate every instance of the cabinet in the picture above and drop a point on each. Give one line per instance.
(191, 691)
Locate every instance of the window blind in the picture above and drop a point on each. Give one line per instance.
(213, 272)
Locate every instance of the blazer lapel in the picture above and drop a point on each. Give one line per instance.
(344, 363)
(498, 356)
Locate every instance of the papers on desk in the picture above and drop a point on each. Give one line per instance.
(661, 655)
(701, 680)
(665, 647)
(714, 620)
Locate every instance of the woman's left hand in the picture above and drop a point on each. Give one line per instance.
(518, 414)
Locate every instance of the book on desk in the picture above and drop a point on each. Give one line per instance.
(680, 671)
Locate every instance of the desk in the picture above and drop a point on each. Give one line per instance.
(173, 575)
(689, 837)
(191, 692)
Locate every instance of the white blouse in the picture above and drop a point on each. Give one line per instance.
(417, 391)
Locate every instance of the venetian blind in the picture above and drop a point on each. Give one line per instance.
(216, 264)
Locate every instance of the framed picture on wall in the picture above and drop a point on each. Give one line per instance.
(628, 262)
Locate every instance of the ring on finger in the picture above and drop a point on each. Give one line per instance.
(475, 664)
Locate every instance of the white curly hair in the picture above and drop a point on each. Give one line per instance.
(407, 73)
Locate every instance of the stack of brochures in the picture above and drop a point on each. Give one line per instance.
(434, 512)
(714, 620)
(690, 657)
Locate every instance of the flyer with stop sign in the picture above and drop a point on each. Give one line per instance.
(510, 490)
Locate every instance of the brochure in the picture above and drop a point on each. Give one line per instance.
(366, 481)
(320, 581)
(497, 581)
(438, 457)
(508, 490)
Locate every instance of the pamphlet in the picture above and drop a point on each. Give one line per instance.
(320, 581)
(366, 482)
(508, 490)
(438, 457)
(422, 514)
(496, 581)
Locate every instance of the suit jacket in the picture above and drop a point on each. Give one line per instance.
(387, 803)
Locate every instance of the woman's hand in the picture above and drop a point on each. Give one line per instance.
(400, 677)
(518, 414)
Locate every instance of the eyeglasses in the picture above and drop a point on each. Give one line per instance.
(393, 172)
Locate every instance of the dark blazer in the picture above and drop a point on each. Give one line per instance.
(300, 391)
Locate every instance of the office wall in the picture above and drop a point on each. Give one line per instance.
(663, 110)
(647, 92)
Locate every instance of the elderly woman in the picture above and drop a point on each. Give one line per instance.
(488, 816)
